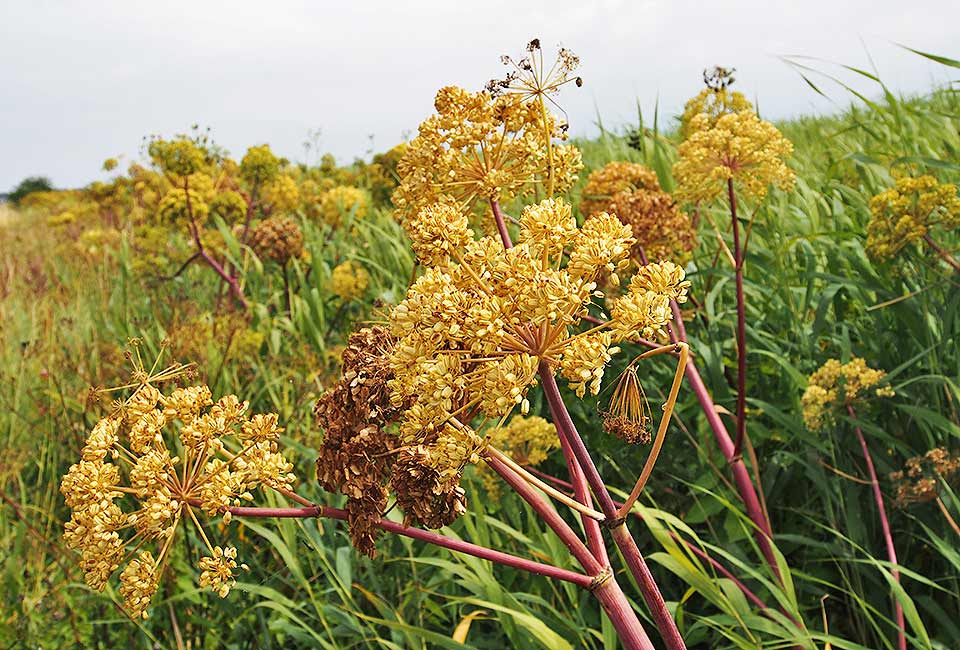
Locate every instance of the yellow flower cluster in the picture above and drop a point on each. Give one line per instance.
(738, 146)
(835, 385)
(712, 102)
(475, 327)
(477, 149)
(129, 460)
(527, 440)
(632, 192)
(342, 201)
(282, 195)
(905, 213)
(349, 281)
(230, 206)
(180, 156)
(259, 165)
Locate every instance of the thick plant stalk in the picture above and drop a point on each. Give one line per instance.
(885, 527)
(738, 255)
(549, 516)
(741, 476)
(582, 493)
(195, 231)
(621, 536)
(604, 585)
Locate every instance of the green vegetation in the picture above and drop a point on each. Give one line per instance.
(83, 279)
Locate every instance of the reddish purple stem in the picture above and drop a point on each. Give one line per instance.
(738, 255)
(621, 536)
(885, 527)
(501, 224)
(430, 537)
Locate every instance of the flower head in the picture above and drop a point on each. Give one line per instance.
(349, 281)
(477, 149)
(259, 165)
(277, 238)
(714, 103)
(906, 212)
(738, 146)
(342, 201)
(835, 385)
(129, 490)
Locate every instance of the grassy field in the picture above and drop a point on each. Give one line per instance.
(76, 289)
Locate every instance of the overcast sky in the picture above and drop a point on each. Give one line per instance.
(83, 81)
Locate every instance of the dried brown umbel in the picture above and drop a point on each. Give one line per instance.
(628, 415)
(611, 179)
(356, 456)
(277, 238)
(424, 498)
(661, 228)
(920, 480)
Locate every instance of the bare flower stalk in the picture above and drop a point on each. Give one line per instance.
(604, 584)
(218, 269)
(683, 350)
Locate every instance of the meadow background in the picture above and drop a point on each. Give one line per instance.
(81, 275)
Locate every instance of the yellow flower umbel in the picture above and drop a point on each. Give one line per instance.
(738, 146)
(906, 212)
(150, 466)
(836, 385)
(475, 326)
(478, 149)
(342, 201)
(349, 281)
(527, 440)
(282, 195)
(259, 165)
(632, 192)
(713, 102)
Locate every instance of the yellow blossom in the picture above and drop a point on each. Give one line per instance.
(906, 212)
(835, 385)
(349, 281)
(119, 508)
(738, 146)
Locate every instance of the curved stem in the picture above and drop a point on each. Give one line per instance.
(683, 349)
(621, 536)
(885, 527)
